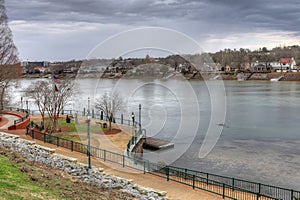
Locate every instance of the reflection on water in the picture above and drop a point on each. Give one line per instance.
(260, 139)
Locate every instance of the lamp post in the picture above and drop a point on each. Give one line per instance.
(27, 105)
(88, 134)
(133, 135)
(132, 117)
(21, 102)
(140, 116)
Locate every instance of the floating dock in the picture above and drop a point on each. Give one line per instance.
(157, 144)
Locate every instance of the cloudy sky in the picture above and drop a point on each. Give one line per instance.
(69, 29)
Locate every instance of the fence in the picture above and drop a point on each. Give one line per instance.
(118, 120)
(226, 187)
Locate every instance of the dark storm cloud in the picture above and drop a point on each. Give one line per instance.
(51, 28)
(271, 14)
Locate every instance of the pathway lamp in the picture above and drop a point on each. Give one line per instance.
(88, 121)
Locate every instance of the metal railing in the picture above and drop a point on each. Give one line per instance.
(118, 120)
(227, 187)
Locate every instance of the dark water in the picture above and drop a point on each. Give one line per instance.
(260, 137)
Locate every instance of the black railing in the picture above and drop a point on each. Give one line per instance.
(221, 185)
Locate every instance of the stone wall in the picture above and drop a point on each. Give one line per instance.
(47, 156)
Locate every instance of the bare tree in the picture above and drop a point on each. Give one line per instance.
(51, 98)
(8, 57)
(39, 92)
(110, 104)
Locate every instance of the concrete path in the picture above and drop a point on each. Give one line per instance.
(10, 122)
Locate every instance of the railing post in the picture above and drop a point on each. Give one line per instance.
(185, 174)
(121, 118)
(83, 111)
(57, 141)
(123, 161)
(32, 134)
(44, 138)
(104, 156)
(193, 181)
(259, 188)
(144, 167)
(207, 176)
(223, 190)
(168, 173)
(292, 194)
(72, 145)
(232, 183)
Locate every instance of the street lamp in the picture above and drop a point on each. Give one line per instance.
(27, 105)
(140, 116)
(88, 121)
(132, 116)
(133, 134)
(21, 102)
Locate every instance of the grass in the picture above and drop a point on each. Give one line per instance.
(24, 179)
(17, 185)
(80, 128)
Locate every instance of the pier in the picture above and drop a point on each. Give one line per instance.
(157, 144)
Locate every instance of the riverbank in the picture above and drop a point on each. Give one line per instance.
(287, 76)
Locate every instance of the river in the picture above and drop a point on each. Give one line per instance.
(260, 137)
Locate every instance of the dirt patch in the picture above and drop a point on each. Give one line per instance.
(64, 185)
(111, 132)
(64, 128)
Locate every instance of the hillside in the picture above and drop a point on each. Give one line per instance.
(23, 179)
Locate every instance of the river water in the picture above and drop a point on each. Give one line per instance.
(260, 137)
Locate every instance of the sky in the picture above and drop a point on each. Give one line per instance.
(70, 29)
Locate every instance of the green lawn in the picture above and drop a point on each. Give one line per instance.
(15, 184)
(80, 128)
(24, 179)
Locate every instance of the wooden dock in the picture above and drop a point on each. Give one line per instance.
(157, 144)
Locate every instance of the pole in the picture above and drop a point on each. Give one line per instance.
(140, 116)
(21, 102)
(133, 135)
(88, 131)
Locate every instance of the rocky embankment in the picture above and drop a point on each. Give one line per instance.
(47, 156)
(287, 76)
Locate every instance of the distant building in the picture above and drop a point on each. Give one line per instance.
(39, 63)
(260, 67)
(284, 64)
(229, 68)
(287, 63)
(40, 70)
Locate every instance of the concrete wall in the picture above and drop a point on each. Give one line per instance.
(21, 125)
(138, 148)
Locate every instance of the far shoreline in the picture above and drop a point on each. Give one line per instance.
(257, 76)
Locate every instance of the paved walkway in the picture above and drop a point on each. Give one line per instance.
(10, 122)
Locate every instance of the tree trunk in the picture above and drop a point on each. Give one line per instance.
(110, 124)
(2, 100)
